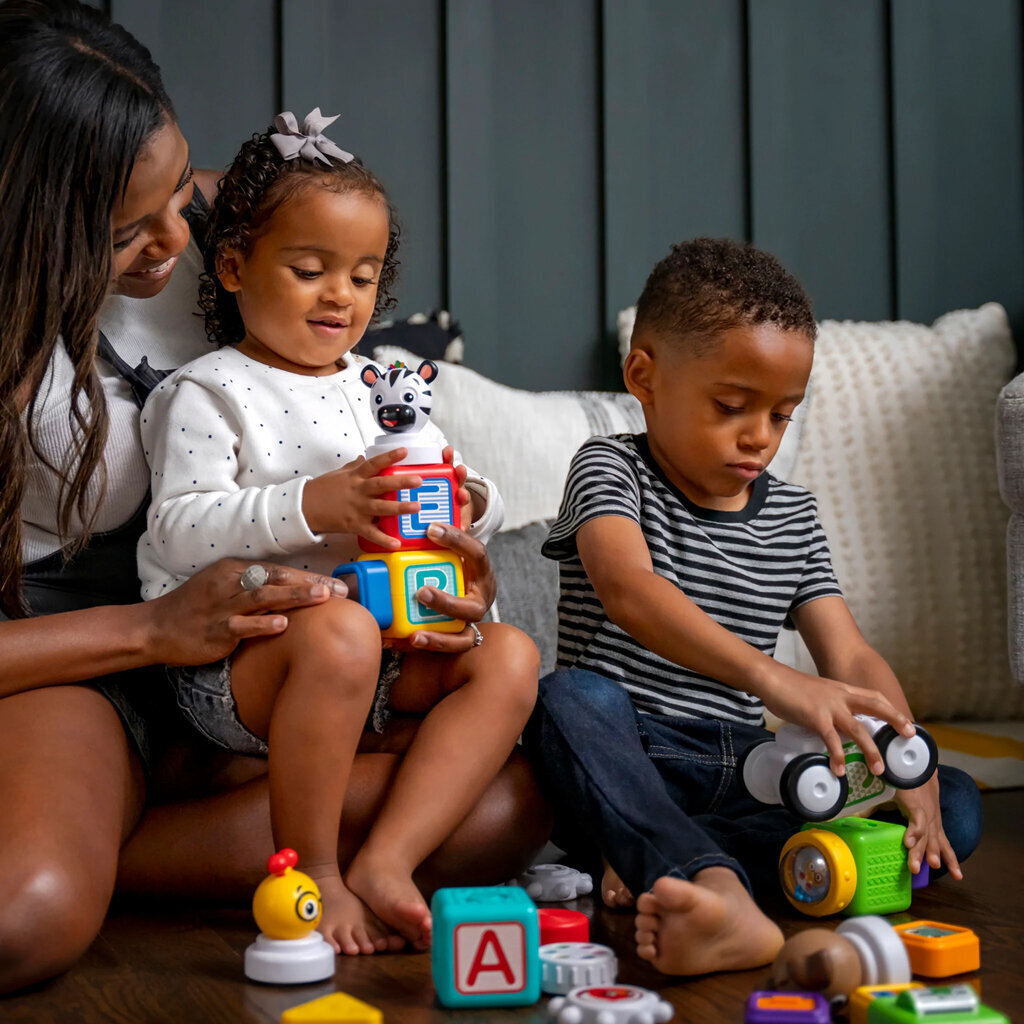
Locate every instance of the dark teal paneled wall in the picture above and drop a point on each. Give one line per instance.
(543, 154)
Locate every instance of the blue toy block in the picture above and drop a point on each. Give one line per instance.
(485, 948)
(373, 588)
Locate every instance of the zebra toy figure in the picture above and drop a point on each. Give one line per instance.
(400, 401)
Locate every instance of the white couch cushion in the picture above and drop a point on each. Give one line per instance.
(898, 446)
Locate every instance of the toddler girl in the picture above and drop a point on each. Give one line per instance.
(255, 451)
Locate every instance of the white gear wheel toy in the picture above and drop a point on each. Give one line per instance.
(568, 965)
(554, 883)
(610, 1004)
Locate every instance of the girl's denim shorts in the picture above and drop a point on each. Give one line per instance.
(205, 698)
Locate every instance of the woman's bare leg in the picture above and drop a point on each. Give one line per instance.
(479, 702)
(72, 790)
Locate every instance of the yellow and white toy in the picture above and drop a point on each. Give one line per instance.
(287, 905)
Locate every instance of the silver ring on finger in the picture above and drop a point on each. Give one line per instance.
(478, 637)
(254, 577)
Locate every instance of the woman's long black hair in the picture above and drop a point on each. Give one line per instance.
(79, 98)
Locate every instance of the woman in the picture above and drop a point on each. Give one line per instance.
(95, 199)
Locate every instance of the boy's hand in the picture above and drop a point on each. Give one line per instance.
(925, 838)
(347, 500)
(828, 707)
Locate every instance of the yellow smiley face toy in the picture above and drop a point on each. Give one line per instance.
(287, 902)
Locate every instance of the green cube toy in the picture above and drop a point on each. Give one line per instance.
(485, 946)
(938, 1004)
(851, 866)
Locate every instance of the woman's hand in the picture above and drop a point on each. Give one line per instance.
(463, 499)
(205, 618)
(481, 587)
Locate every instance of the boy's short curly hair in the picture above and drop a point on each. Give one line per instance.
(258, 181)
(710, 285)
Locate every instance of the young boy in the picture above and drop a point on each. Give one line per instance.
(680, 559)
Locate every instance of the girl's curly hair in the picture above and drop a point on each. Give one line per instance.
(254, 186)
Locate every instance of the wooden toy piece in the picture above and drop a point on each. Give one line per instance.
(568, 965)
(850, 866)
(940, 950)
(937, 1004)
(560, 925)
(336, 1008)
(787, 1008)
(287, 907)
(610, 1004)
(386, 585)
(861, 998)
(549, 883)
(484, 950)
(861, 951)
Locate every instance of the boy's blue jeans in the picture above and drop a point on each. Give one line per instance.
(660, 795)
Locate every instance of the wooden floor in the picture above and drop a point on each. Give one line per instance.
(153, 965)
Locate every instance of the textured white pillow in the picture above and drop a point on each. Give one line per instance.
(522, 440)
(899, 449)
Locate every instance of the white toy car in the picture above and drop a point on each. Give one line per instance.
(793, 770)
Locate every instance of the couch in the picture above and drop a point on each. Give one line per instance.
(896, 440)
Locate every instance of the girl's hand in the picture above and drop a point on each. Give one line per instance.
(205, 618)
(481, 587)
(347, 500)
(828, 707)
(925, 838)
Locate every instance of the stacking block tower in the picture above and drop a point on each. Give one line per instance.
(386, 581)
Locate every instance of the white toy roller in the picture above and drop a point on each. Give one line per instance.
(610, 1004)
(793, 770)
(568, 965)
(883, 956)
(554, 883)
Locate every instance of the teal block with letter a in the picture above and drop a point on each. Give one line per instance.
(485, 946)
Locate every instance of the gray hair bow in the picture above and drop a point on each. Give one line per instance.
(307, 142)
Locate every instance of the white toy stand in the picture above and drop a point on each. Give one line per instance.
(611, 1004)
(568, 965)
(289, 961)
(421, 451)
(552, 883)
(883, 956)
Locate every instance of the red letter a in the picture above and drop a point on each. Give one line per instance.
(490, 940)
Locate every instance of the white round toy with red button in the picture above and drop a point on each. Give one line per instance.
(610, 1004)
(568, 965)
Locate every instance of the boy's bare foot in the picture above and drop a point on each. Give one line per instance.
(614, 891)
(391, 894)
(709, 924)
(348, 924)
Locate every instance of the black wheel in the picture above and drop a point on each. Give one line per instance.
(810, 790)
(920, 753)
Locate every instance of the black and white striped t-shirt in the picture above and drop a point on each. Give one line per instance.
(747, 569)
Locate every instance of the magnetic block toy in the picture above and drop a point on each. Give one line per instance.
(787, 1008)
(940, 950)
(484, 950)
(436, 496)
(850, 866)
(862, 997)
(336, 1008)
(610, 1004)
(549, 883)
(945, 1004)
(793, 769)
(568, 965)
(287, 907)
(560, 925)
(386, 586)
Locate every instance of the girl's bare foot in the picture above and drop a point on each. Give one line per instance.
(709, 924)
(613, 890)
(390, 892)
(348, 924)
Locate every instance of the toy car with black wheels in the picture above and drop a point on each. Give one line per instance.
(793, 769)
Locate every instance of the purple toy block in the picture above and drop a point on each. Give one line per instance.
(787, 1008)
(920, 880)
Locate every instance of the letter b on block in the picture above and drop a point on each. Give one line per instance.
(485, 947)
